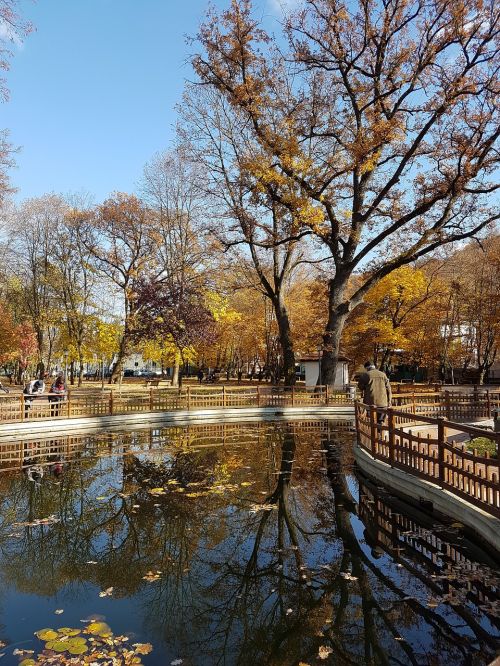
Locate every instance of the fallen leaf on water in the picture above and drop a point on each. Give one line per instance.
(347, 575)
(106, 593)
(143, 648)
(176, 662)
(59, 611)
(324, 651)
(152, 576)
(91, 562)
(254, 508)
(289, 611)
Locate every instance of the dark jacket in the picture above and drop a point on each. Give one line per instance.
(375, 388)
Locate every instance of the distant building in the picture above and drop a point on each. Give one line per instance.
(309, 368)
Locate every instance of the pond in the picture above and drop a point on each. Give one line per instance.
(253, 543)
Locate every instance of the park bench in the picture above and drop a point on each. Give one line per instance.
(158, 383)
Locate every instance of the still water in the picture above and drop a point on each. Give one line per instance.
(228, 544)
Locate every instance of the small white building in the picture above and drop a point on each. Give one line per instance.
(310, 367)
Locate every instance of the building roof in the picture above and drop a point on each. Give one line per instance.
(316, 357)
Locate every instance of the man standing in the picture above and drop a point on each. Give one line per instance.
(375, 388)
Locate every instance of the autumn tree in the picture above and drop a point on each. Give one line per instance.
(471, 325)
(32, 229)
(117, 235)
(73, 281)
(180, 315)
(387, 320)
(377, 127)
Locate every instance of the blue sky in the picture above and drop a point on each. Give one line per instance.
(93, 90)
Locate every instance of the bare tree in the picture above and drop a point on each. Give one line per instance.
(254, 229)
(181, 259)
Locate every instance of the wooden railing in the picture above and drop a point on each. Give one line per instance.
(78, 404)
(417, 438)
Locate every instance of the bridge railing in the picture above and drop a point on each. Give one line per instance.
(418, 439)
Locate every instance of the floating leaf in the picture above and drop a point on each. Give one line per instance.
(78, 649)
(59, 611)
(46, 634)
(143, 648)
(107, 592)
(68, 631)
(27, 662)
(324, 652)
(98, 628)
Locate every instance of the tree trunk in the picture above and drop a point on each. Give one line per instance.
(286, 342)
(338, 311)
(175, 373)
(80, 370)
(122, 354)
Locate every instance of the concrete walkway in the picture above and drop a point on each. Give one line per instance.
(145, 419)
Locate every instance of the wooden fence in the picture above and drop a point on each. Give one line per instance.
(19, 408)
(418, 438)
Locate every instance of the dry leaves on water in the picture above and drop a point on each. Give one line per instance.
(94, 644)
(107, 592)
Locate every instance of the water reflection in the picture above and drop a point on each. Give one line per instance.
(239, 544)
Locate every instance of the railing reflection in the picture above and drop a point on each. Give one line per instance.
(452, 564)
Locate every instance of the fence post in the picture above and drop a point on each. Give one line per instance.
(188, 391)
(373, 429)
(111, 402)
(293, 396)
(22, 406)
(390, 425)
(447, 405)
(223, 395)
(151, 401)
(327, 396)
(414, 407)
(69, 403)
(258, 396)
(440, 438)
(488, 404)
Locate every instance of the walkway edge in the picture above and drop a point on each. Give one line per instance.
(487, 527)
(148, 418)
